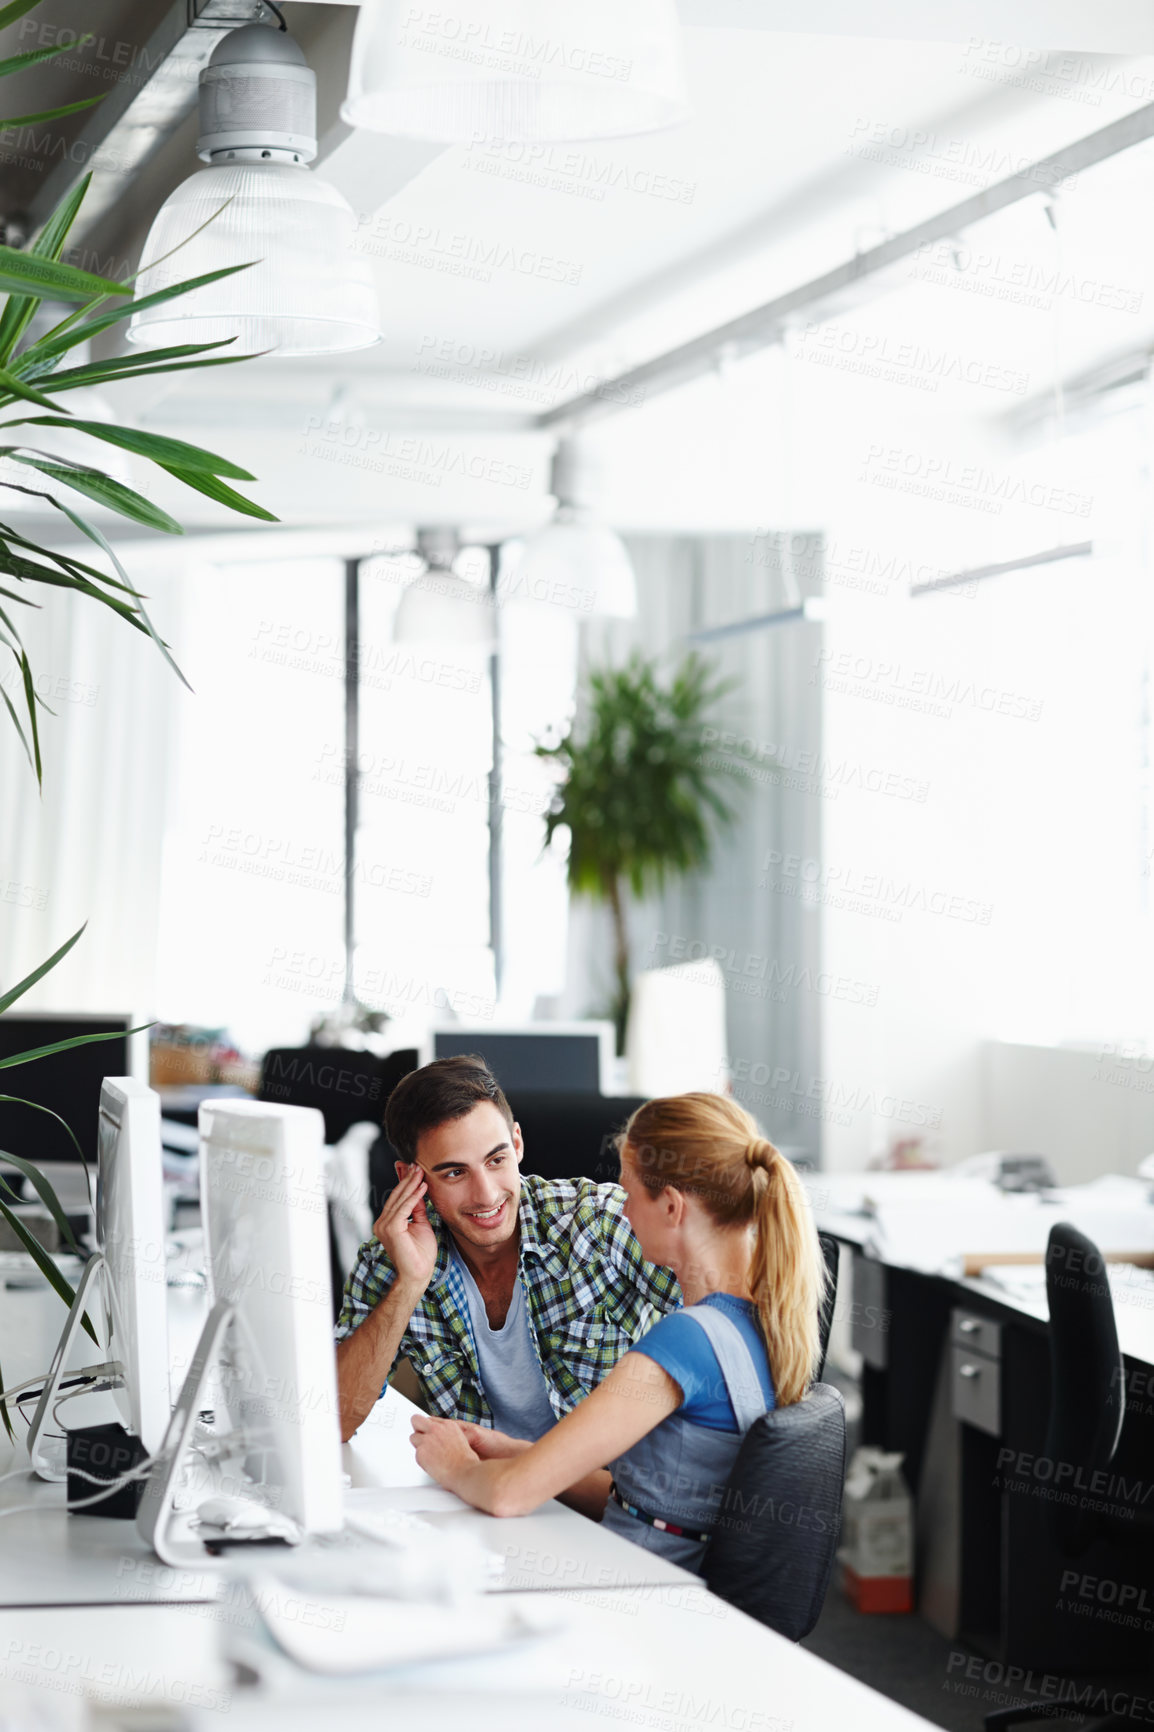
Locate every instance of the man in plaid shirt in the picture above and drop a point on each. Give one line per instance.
(511, 1296)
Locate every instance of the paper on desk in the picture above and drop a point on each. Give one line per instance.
(412, 1499)
(366, 1636)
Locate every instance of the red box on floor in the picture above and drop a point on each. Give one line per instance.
(878, 1593)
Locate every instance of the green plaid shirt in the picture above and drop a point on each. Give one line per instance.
(590, 1295)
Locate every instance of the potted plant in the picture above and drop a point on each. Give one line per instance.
(641, 799)
(33, 376)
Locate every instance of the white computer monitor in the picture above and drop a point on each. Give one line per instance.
(265, 1364)
(123, 1288)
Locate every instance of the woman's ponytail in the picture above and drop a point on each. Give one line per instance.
(787, 1275)
(709, 1147)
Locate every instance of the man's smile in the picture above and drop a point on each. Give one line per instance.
(489, 1217)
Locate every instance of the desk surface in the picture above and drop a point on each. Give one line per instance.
(89, 1611)
(932, 1226)
(662, 1657)
(554, 1548)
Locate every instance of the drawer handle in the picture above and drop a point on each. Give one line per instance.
(969, 1326)
(969, 1371)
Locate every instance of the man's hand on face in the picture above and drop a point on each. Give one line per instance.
(403, 1229)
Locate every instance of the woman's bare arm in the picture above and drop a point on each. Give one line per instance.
(635, 1397)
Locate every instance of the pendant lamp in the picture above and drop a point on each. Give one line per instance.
(576, 556)
(307, 291)
(440, 608)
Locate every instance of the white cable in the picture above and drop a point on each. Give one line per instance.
(93, 1386)
(9, 1394)
(110, 1486)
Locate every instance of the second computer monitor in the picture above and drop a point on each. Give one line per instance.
(266, 1231)
(557, 1057)
(131, 1239)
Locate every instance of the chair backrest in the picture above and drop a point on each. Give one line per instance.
(830, 1254)
(1087, 1384)
(571, 1136)
(773, 1545)
(345, 1084)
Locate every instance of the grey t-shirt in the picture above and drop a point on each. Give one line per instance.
(511, 1374)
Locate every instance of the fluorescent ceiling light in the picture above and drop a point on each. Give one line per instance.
(533, 71)
(958, 579)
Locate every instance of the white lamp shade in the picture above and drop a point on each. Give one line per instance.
(440, 609)
(308, 293)
(87, 404)
(577, 562)
(516, 70)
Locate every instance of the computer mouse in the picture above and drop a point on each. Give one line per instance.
(243, 1515)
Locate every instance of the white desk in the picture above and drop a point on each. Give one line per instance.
(87, 1613)
(656, 1658)
(554, 1548)
(927, 1223)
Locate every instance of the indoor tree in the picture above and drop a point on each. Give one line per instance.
(641, 798)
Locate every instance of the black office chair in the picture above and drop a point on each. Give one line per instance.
(830, 1254)
(772, 1551)
(1087, 1406)
(572, 1135)
(343, 1083)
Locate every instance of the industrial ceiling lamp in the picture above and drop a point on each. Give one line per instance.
(516, 71)
(576, 559)
(307, 292)
(438, 607)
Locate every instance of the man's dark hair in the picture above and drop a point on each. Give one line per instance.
(447, 1089)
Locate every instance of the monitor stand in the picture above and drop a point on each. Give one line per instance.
(158, 1522)
(96, 1269)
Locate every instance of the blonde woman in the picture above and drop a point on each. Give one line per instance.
(710, 1198)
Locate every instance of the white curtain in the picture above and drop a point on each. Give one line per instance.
(89, 847)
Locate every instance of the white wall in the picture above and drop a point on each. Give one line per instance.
(1089, 1111)
(985, 859)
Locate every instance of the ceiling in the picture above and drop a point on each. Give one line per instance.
(506, 282)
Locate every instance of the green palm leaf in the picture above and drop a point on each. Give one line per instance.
(221, 492)
(26, 273)
(48, 244)
(11, 386)
(8, 999)
(95, 485)
(67, 334)
(37, 56)
(52, 113)
(45, 1192)
(157, 446)
(43, 1262)
(62, 1046)
(8, 15)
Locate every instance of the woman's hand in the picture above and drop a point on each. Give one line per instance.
(489, 1445)
(442, 1448)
